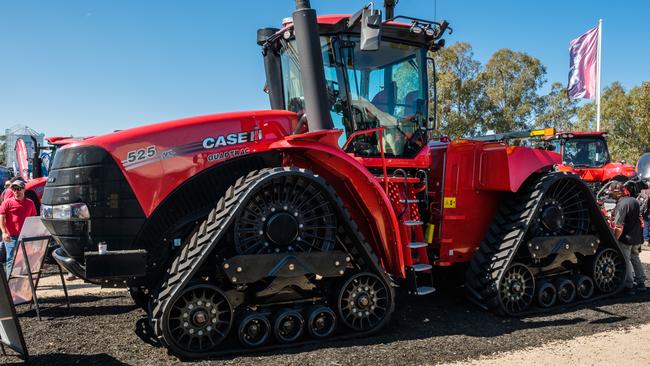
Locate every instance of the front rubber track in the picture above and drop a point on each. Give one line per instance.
(506, 234)
(201, 243)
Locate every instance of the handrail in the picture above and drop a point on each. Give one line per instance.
(381, 148)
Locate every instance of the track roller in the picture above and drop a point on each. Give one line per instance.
(546, 294)
(199, 319)
(608, 270)
(288, 325)
(321, 321)
(364, 301)
(254, 330)
(517, 289)
(566, 290)
(584, 286)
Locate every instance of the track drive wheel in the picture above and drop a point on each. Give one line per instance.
(364, 302)
(517, 289)
(608, 270)
(198, 320)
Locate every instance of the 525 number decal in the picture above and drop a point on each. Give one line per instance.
(141, 154)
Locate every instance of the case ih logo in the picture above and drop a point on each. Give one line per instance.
(232, 139)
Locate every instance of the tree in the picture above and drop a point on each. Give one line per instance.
(510, 82)
(458, 91)
(623, 116)
(557, 110)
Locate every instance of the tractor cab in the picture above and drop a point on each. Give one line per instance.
(376, 81)
(581, 150)
(587, 155)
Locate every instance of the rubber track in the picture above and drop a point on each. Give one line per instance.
(502, 241)
(197, 248)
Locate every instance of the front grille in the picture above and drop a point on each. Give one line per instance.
(89, 174)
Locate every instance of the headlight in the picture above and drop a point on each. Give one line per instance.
(65, 212)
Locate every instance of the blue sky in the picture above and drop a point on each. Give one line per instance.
(90, 67)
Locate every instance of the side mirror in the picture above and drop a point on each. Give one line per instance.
(550, 147)
(370, 29)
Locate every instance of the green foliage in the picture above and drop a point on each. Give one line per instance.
(459, 103)
(625, 115)
(510, 81)
(503, 95)
(557, 110)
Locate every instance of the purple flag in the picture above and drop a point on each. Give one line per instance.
(583, 52)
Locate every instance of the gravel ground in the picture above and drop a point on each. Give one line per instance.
(107, 329)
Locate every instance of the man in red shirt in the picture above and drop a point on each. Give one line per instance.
(13, 212)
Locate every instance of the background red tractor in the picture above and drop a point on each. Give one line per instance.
(587, 155)
(255, 229)
(35, 186)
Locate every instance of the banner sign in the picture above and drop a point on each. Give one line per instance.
(21, 159)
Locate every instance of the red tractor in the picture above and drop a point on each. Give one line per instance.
(258, 229)
(587, 155)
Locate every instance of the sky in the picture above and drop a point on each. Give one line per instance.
(73, 67)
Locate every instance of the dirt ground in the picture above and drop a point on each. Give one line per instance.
(103, 327)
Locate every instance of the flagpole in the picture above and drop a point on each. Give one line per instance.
(600, 35)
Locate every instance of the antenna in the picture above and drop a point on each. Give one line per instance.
(389, 5)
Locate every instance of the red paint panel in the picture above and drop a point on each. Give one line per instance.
(479, 175)
(156, 159)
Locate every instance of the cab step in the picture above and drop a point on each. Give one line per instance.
(424, 290)
(421, 267)
(412, 222)
(418, 244)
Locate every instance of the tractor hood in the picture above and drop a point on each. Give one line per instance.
(177, 150)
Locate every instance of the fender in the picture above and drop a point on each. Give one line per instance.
(358, 188)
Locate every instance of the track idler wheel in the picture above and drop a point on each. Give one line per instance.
(546, 294)
(584, 286)
(254, 330)
(608, 270)
(288, 326)
(364, 302)
(566, 290)
(517, 289)
(198, 320)
(321, 322)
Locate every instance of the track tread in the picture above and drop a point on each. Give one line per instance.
(502, 241)
(200, 244)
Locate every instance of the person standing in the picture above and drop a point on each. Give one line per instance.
(13, 212)
(627, 231)
(3, 251)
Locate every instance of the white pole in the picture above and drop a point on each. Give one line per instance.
(600, 35)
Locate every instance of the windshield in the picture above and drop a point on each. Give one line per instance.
(367, 89)
(585, 152)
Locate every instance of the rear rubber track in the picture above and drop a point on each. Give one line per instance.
(502, 242)
(202, 242)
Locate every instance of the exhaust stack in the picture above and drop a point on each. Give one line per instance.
(311, 67)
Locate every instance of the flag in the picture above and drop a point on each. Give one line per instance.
(583, 54)
(21, 158)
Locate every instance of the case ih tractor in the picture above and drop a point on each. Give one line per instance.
(587, 154)
(257, 229)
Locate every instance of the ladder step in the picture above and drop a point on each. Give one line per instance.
(418, 244)
(409, 201)
(419, 267)
(412, 222)
(425, 290)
